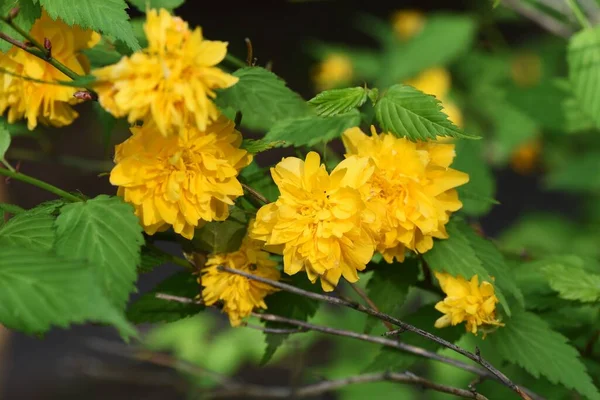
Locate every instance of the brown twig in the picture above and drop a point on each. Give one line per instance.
(255, 194)
(384, 317)
(545, 21)
(281, 331)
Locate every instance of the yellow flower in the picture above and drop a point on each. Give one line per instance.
(319, 220)
(437, 81)
(240, 295)
(466, 301)
(181, 180)
(172, 82)
(49, 104)
(525, 158)
(407, 23)
(333, 71)
(411, 190)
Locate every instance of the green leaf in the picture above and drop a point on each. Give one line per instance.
(442, 40)
(528, 341)
(258, 146)
(102, 54)
(29, 230)
(11, 208)
(143, 5)
(543, 103)
(151, 259)
(478, 194)
(105, 232)
(41, 289)
(149, 308)
(584, 70)
(389, 285)
(222, 237)
(465, 254)
(4, 140)
(262, 97)
(82, 81)
(408, 112)
(107, 16)
(580, 174)
(288, 305)
(569, 277)
(29, 11)
(260, 180)
(309, 131)
(338, 101)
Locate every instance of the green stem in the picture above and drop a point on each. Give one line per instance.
(235, 61)
(7, 165)
(82, 164)
(41, 184)
(28, 78)
(583, 21)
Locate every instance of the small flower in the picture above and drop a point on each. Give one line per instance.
(334, 71)
(408, 23)
(319, 221)
(466, 301)
(49, 104)
(525, 158)
(172, 81)
(411, 189)
(239, 294)
(437, 81)
(180, 180)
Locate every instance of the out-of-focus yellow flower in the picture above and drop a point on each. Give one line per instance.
(437, 81)
(49, 104)
(526, 69)
(182, 180)
(333, 71)
(240, 295)
(525, 158)
(408, 23)
(172, 82)
(412, 190)
(466, 301)
(319, 220)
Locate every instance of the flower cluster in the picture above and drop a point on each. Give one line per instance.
(172, 81)
(240, 295)
(466, 301)
(48, 103)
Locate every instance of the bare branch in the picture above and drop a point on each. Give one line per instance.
(384, 317)
(545, 21)
(370, 303)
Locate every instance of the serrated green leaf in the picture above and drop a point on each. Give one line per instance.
(105, 232)
(460, 255)
(144, 5)
(338, 101)
(151, 259)
(477, 195)
(106, 16)
(29, 11)
(408, 112)
(262, 97)
(255, 146)
(389, 285)
(584, 70)
(528, 341)
(222, 237)
(288, 305)
(41, 289)
(151, 309)
(581, 174)
(29, 230)
(4, 140)
(11, 208)
(572, 281)
(309, 131)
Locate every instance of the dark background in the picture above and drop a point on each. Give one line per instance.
(61, 365)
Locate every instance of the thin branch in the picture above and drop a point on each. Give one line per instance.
(384, 317)
(41, 184)
(281, 331)
(545, 21)
(255, 194)
(370, 303)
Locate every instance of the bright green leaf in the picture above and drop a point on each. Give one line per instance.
(258, 146)
(102, 54)
(11, 208)
(41, 290)
(309, 131)
(408, 112)
(569, 277)
(338, 101)
(29, 11)
(144, 5)
(106, 16)
(149, 308)
(105, 232)
(543, 103)
(581, 174)
(528, 341)
(222, 236)
(263, 99)
(584, 70)
(29, 230)
(4, 140)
